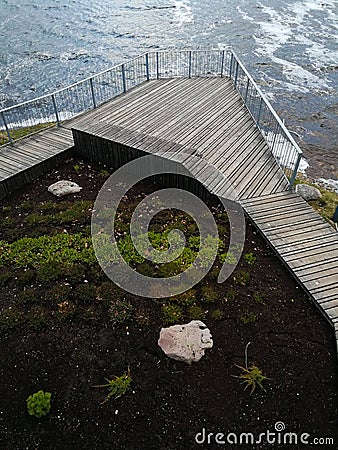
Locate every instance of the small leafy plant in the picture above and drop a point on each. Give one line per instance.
(196, 313)
(248, 317)
(171, 314)
(38, 404)
(118, 386)
(252, 376)
(250, 258)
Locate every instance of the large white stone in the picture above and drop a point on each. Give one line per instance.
(308, 192)
(64, 187)
(186, 342)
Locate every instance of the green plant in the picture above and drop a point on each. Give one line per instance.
(230, 295)
(24, 131)
(75, 273)
(187, 298)
(118, 386)
(258, 297)
(104, 173)
(208, 294)
(8, 222)
(76, 167)
(26, 206)
(196, 313)
(252, 376)
(120, 311)
(171, 314)
(29, 295)
(38, 404)
(242, 277)
(37, 317)
(10, 318)
(47, 272)
(250, 258)
(217, 314)
(85, 293)
(248, 317)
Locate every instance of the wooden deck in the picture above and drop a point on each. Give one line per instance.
(27, 159)
(200, 116)
(204, 117)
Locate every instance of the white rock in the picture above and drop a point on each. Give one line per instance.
(64, 187)
(308, 192)
(186, 342)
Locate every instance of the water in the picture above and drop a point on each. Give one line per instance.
(289, 46)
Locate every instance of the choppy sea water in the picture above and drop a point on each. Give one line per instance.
(289, 46)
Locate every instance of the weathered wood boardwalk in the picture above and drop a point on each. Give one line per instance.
(22, 162)
(204, 117)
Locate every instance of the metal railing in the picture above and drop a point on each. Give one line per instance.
(92, 92)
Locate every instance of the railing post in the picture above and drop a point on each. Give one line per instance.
(147, 66)
(6, 127)
(222, 64)
(236, 74)
(259, 111)
(157, 66)
(246, 90)
(124, 78)
(295, 171)
(92, 91)
(56, 111)
(190, 64)
(231, 64)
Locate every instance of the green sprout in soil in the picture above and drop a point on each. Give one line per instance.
(120, 311)
(217, 314)
(38, 404)
(248, 317)
(252, 376)
(196, 313)
(250, 258)
(208, 294)
(118, 386)
(258, 297)
(242, 277)
(171, 314)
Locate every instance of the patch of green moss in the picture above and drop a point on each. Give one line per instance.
(24, 131)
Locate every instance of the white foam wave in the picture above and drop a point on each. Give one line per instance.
(183, 12)
(329, 183)
(294, 25)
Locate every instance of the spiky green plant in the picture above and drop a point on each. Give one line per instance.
(118, 386)
(252, 376)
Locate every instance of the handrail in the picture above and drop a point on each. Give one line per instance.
(86, 94)
(278, 119)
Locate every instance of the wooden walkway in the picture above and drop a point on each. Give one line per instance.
(23, 161)
(204, 117)
(200, 116)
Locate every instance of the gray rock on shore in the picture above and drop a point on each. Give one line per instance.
(308, 192)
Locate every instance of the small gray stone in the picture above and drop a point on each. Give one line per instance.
(187, 342)
(64, 187)
(308, 192)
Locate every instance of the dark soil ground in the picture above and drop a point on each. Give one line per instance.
(66, 330)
